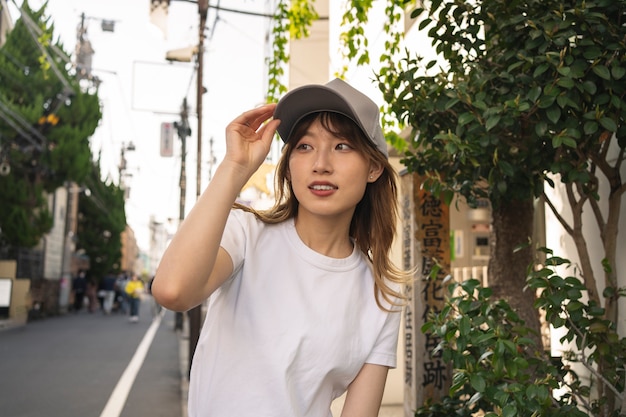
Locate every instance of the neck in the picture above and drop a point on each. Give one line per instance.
(328, 238)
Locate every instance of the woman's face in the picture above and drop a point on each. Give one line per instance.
(328, 174)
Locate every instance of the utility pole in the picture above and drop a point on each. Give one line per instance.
(195, 314)
(183, 131)
(203, 7)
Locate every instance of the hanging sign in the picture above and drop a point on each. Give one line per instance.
(167, 139)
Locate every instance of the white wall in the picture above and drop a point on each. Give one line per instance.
(563, 245)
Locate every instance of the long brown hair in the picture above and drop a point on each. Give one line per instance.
(373, 224)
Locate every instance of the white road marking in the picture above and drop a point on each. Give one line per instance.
(118, 397)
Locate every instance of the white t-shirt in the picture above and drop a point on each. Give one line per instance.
(289, 331)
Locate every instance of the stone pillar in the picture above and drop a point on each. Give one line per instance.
(426, 237)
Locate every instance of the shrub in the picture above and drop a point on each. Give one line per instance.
(497, 370)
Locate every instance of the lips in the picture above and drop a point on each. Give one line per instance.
(322, 188)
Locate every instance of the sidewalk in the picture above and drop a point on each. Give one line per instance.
(183, 353)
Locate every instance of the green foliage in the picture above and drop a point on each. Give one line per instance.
(496, 367)
(19, 227)
(525, 88)
(353, 41)
(354, 47)
(45, 125)
(498, 370)
(592, 339)
(280, 56)
(292, 20)
(521, 90)
(101, 221)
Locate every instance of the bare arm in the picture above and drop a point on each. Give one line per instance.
(194, 265)
(365, 393)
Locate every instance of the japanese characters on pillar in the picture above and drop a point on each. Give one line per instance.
(408, 261)
(426, 236)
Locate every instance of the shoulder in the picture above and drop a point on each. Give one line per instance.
(246, 234)
(246, 217)
(248, 224)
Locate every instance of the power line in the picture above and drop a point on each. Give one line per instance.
(23, 124)
(244, 12)
(225, 9)
(34, 30)
(29, 21)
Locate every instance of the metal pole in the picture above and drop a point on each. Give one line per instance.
(68, 247)
(203, 7)
(183, 131)
(195, 314)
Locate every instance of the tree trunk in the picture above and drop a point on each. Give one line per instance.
(512, 227)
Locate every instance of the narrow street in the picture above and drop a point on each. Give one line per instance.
(90, 365)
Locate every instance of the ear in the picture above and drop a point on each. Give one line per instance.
(376, 170)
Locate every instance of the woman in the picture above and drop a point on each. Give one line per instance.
(304, 301)
(135, 290)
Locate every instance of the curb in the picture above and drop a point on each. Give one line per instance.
(183, 354)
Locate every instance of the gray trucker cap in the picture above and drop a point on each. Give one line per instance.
(336, 96)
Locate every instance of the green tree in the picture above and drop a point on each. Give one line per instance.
(101, 221)
(46, 120)
(292, 20)
(498, 370)
(529, 92)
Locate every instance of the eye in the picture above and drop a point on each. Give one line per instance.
(344, 146)
(302, 146)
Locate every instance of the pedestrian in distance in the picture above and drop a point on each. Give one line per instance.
(101, 294)
(120, 293)
(303, 300)
(92, 294)
(135, 290)
(79, 287)
(108, 288)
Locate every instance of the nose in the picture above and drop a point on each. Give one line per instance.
(323, 162)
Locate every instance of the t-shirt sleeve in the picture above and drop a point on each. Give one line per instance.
(385, 349)
(234, 237)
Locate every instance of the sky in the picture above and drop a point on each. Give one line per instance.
(140, 90)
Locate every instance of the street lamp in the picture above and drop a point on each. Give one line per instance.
(182, 54)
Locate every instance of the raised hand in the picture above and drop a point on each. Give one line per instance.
(249, 137)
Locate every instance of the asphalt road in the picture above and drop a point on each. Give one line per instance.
(92, 365)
